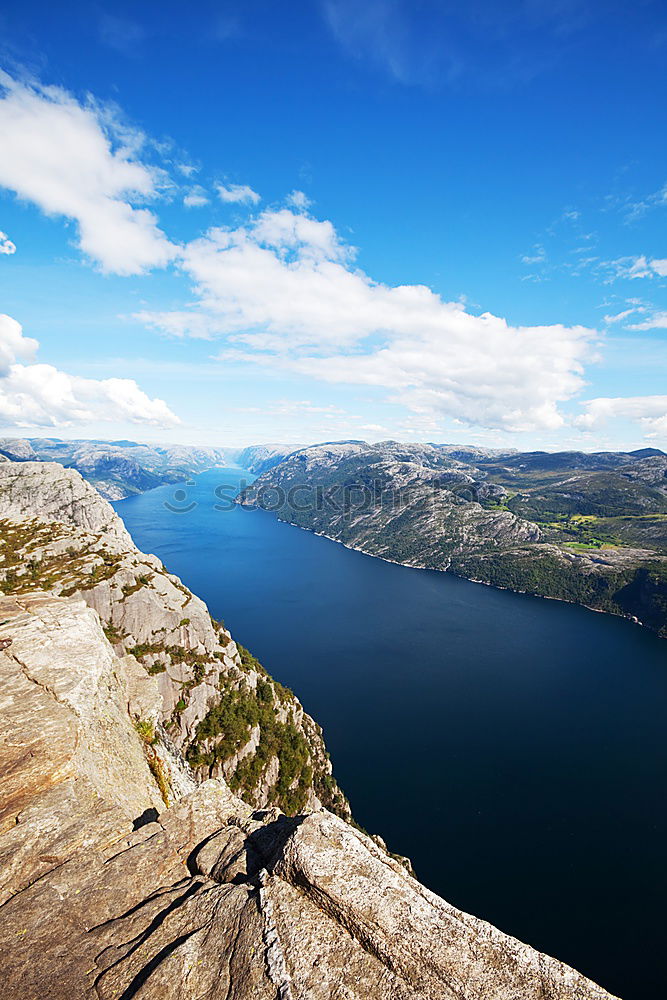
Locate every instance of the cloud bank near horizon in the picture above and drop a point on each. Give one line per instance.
(33, 394)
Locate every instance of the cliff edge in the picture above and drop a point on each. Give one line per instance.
(126, 870)
(105, 893)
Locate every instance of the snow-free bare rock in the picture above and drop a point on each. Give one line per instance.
(58, 534)
(107, 893)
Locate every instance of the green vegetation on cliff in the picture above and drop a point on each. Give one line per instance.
(227, 730)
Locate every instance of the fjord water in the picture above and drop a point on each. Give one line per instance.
(514, 748)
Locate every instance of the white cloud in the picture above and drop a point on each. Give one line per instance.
(538, 255)
(287, 232)
(187, 169)
(656, 321)
(635, 267)
(284, 290)
(636, 209)
(39, 395)
(649, 411)
(6, 245)
(181, 323)
(240, 193)
(475, 369)
(298, 200)
(619, 317)
(13, 345)
(78, 162)
(196, 197)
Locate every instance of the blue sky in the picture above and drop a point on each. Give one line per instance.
(264, 222)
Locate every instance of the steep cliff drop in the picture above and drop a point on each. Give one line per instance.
(126, 872)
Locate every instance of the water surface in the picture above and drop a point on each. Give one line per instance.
(514, 748)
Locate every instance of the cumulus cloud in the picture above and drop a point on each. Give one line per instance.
(13, 345)
(6, 245)
(240, 193)
(649, 411)
(284, 290)
(39, 395)
(76, 161)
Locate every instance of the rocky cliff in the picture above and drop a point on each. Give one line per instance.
(218, 706)
(107, 894)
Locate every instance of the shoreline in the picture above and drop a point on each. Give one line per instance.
(413, 565)
(484, 583)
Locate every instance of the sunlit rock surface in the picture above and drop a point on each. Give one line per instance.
(107, 893)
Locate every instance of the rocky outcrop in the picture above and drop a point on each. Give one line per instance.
(73, 767)
(217, 705)
(108, 893)
(50, 492)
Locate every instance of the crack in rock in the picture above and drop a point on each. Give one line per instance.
(275, 956)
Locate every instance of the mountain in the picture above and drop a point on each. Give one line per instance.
(118, 469)
(259, 458)
(588, 528)
(17, 450)
(130, 869)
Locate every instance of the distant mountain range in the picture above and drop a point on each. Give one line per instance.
(119, 469)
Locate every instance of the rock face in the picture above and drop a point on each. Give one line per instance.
(52, 493)
(74, 771)
(106, 893)
(217, 704)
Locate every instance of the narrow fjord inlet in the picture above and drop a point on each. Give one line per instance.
(512, 747)
(333, 500)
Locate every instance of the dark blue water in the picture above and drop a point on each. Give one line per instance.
(514, 748)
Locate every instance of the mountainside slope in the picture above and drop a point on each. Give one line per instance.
(217, 704)
(585, 528)
(258, 458)
(106, 894)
